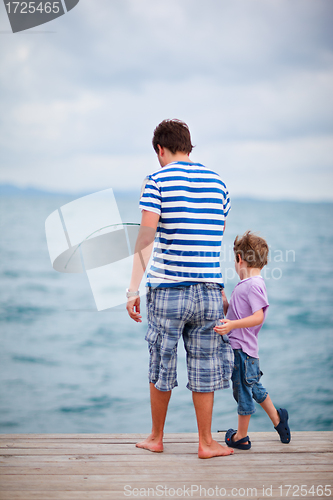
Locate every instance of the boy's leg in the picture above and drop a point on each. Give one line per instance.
(278, 418)
(271, 411)
(159, 401)
(243, 426)
(208, 447)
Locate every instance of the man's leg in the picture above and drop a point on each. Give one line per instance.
(208, 448)
(159, 401)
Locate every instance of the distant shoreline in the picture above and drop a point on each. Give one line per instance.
(10, 190)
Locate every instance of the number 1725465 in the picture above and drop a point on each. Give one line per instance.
(33, 7)
(288, 490)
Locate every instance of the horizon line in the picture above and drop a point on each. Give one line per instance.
(12, 189)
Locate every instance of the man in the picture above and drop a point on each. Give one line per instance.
(184, 206)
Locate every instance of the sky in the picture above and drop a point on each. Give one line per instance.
(81, 95)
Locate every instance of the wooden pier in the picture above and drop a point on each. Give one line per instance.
(109, 466)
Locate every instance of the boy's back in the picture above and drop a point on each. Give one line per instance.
(249, 296)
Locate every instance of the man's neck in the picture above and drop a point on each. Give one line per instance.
(165, 157)
(180, 157)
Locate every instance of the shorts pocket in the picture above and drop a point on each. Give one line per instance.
(227, 361)
(252, 371)
(213, 303)
(168, 302)
(152, 335)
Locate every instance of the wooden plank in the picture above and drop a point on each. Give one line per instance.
(117, 495)
(10, 440)
(188, 437)
(174, 449)
(147, 459)
(107, 483)
(100, 468)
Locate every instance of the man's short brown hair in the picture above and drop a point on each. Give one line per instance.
(252, 249)
(173, 135)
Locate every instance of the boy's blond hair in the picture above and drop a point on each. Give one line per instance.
(252, 248)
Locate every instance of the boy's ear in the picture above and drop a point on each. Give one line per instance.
(239, 259)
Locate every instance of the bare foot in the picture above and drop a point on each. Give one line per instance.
(214, 450)
(151, 444)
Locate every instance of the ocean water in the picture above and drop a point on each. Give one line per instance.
(66, 368)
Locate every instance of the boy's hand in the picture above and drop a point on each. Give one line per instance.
(225, 327)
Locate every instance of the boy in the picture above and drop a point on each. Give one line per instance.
(244, 318)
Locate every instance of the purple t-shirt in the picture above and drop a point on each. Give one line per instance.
(248, 296)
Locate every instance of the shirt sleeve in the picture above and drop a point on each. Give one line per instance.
(258, 298)
(151, 197)
(226, 203)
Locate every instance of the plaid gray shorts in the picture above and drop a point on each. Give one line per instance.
(191, 312)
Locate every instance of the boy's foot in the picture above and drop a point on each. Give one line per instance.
(215, 449)
(151, 444)
(283, 428)
(232, 440)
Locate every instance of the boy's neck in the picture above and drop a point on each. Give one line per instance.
(249, 272)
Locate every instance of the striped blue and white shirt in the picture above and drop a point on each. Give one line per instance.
(193, 203)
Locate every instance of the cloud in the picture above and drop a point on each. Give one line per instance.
(296, 169)
(252, 78)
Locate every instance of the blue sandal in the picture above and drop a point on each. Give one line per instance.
(283, 428)
(237, 444)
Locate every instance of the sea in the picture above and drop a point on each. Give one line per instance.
(66, 367)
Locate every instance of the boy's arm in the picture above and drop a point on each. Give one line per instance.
(254, 320)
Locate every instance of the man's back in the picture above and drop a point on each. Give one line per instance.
(192, 202)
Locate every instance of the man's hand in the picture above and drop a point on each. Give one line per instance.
(225, 327)
(133, 308)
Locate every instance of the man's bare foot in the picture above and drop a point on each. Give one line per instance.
(213, 450)
(151, 444)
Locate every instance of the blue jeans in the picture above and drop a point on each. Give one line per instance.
(245, 383)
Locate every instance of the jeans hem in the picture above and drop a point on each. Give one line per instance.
(245, 413)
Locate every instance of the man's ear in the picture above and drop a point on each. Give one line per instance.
(160, 150)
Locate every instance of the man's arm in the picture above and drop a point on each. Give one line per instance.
(225, 303)
(255, 319)
(143, 248)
